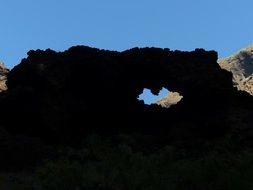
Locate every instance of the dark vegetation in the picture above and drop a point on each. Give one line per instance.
(72, 120)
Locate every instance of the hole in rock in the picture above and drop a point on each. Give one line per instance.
(165, 98)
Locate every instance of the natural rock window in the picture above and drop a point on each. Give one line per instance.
(165, 98)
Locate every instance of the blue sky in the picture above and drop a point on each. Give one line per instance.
(222, 25)
(150, 98)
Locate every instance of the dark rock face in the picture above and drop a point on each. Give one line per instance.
(61, 97)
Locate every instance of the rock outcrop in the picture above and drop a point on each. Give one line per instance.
(241, 65)
(3, 77)
(63, 96)
(171, 99)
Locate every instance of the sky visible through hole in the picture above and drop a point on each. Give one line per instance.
(150, 98)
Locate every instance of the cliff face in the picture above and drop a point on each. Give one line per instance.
(241, 66)
(60, 97)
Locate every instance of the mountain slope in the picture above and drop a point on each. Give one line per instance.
(241, 66)
(171, 99)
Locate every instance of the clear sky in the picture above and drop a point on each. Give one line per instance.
(222, 25)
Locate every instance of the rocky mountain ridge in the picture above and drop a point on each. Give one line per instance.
(241, 66)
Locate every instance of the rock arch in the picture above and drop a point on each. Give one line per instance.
(84, 85)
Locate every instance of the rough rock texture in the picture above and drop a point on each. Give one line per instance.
(241, 65)
(171, 99)
(61, 97)
(3, 77)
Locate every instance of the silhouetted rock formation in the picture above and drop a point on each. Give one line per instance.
(61, 97)
(241, 65)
